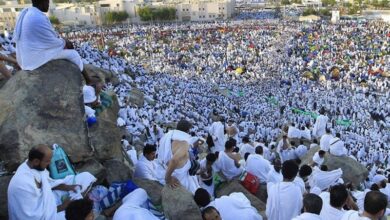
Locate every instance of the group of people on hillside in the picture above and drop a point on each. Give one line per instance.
(198, 76)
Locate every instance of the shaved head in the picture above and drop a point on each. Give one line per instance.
(39, 157)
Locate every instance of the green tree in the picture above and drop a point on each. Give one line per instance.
(375, 3)
(145, 13)
(161, 14)
(309, 11)
(113, 17)
(384, 3)
(327, 3)
(54, 20)
(285, 2)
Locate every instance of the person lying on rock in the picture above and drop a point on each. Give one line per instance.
(32, 194)
(173, 161)
(211, 213)
(135, 207)
(36, 41)
(231, 207)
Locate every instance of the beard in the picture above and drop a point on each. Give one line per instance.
(38, 167)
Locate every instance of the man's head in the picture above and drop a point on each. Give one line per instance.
(289, 170)
(202, 197)
(312, 203)
(149, 152)
(305, 171)
(245, 139)
(259, 150)
(321, 154)
(184, 126)
(338, 196)
(79, 210)
(39, 157)
(375, 204)
(230, 144)
(211, 158)
(42, 5)
(277, 165)
(211, 213)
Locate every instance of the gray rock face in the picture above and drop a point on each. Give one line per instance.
(117, 171)
(43, 106)
(136, 97)
(4, 181)
(95, 168)
(105, 135)
(103, 75)
(153, 188)
(235, 186)
(353, 171)
(178, 204)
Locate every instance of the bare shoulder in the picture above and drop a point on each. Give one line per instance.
(179, 146)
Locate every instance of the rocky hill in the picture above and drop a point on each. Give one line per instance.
(45, 106)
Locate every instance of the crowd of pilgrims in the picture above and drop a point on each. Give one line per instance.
(268, 90)
(193, 71)
(252, 75)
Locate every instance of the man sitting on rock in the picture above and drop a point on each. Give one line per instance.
(32, 194)
(232, 207)
(146, 167)
(228, 163)
(258, 166)
(173, 161)
(337, 147)
(36, 41)
(284, 198)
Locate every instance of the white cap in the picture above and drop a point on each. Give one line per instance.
(89, 94)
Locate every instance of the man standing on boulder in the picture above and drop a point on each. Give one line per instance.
(36, 41)
(174, 159)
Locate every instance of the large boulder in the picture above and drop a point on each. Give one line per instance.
(136, 97)
(100, 74)
(105, 135)
(235, 186)
(153, 188)
(43, 106)
(94, 167)
(117, 171)
(4, 182)
(353, 171)
(179, 204)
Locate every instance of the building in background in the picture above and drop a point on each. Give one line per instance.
(9, 13)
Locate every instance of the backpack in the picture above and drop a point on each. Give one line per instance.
(250, 182)
(60, 165)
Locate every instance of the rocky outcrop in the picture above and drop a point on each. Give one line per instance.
(153, 188)
(43, 106)
(117, 171)
(353, 171)
(94, 167)
(4, 181)
(178, 204)
(101, 75)
(105, 135)
(136, 97)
